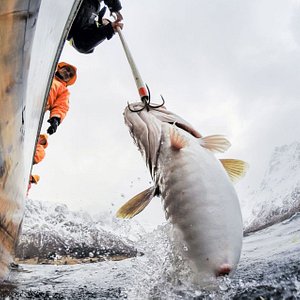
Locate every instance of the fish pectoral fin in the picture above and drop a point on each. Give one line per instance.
(176, 139)
(136, 204)
(235, 168)
(215, 143)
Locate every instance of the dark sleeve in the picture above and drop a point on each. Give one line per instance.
(109, 31)
(113, 5)
(91, 36)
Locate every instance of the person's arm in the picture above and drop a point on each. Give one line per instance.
(113, 5)
(60, 105)
(58, 110)
(39, 154)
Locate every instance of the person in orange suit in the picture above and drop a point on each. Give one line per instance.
(38, 157)
(58, 99)
(40, 148)
(33, 179)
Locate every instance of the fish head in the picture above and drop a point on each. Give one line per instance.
(145, 127)
(145, 130)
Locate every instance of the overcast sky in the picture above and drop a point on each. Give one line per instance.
(227, 67)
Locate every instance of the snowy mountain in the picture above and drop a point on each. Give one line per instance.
(52, 230)
(278, 196)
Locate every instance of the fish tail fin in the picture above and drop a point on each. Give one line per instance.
(177, 140)
(235, 168)
(215, 143)
(136, 204)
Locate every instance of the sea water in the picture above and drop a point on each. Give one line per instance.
(268, 269)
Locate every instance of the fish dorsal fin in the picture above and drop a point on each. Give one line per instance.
(235, 168)
(136, 204)
(215, 143)
(176, 139)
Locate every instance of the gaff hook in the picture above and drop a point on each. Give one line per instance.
(146, 100)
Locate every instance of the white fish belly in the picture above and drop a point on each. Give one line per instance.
(201, 202)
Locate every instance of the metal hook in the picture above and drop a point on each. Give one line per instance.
(135, 110)
(159, 105)
(146, 101)
(149, 94)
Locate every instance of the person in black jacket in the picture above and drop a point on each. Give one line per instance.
(89, 29)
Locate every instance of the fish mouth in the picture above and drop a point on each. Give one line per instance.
(146, 130)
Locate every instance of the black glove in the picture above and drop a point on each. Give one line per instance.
(54, 121)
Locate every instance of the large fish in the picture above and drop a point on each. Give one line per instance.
(196, 188)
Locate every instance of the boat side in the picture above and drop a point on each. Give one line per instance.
(32, 35)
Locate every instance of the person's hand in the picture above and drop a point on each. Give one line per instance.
(105, 22)
(116, 24)
(118, 16)
(54, 121)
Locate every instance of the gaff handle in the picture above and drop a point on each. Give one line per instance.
(143, 92)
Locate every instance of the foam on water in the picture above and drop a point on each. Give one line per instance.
(269, 268)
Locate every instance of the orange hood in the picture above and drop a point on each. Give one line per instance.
(34, 178)
(73, 79)
(43, 140)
